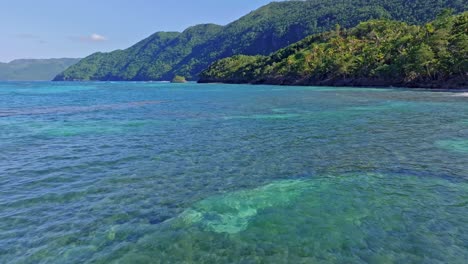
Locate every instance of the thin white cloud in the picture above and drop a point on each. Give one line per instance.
(91, 38)
(97, 37)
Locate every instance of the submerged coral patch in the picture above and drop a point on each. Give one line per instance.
(374, 218)
(232, 212)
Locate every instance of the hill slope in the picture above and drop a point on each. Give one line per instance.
(34, 69)
(375, 53)
(274, 26)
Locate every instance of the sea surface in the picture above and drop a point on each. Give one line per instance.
(187, 173)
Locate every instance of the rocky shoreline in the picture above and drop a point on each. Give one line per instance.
(452, 83)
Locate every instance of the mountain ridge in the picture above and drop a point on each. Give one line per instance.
(260, 32)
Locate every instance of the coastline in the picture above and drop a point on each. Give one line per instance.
(451, 84)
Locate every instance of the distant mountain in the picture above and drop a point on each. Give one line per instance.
(276, 25)
(34, 69)
(374, 53)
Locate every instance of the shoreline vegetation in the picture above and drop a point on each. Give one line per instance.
(179, 79)
(261, 32)
(378, 53)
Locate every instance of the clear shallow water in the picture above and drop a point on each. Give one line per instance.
(146, 172)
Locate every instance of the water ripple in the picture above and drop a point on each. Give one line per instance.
(73, 109)
(128, 172)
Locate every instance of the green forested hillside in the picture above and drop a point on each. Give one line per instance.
(34, 70)
(377, 52)
(274, 26)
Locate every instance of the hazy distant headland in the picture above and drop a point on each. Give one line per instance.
(34, 69)
(261, 32)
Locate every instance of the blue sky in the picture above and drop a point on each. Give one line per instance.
(77, 28)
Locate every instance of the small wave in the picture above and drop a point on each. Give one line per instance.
(461, 94)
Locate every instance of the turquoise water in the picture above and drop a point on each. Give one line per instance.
(187, 173)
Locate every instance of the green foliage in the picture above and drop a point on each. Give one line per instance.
(261, 32)
(382, 52)
(179, 79)
(34, 70)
